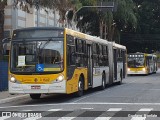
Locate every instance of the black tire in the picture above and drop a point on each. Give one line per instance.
(103, 86)
(35, 96)
(79, 93)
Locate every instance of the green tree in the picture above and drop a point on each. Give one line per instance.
(149, 16)
(124, 18)
(87, 19)
(148, 26)
(110, 23)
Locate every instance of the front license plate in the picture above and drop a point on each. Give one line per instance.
(35, 87)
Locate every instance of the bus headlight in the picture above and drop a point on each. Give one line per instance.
(13, 79)
(143, 69)
(129, 69)
(59, 79)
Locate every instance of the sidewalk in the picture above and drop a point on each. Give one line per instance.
(6, 97)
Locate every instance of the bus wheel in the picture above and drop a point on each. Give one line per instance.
(79, 93)
(120, 82)
(35, 96)
(103, 86)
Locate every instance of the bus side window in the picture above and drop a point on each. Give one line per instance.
(71, 57)
(100, 55)
(147, 61)
(97, 49)
(80, 53)
(94, 48)
(119, 55)
(95, 55)
(105, 55)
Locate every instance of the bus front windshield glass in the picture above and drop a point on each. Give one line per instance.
(135, 61)
(37, 56)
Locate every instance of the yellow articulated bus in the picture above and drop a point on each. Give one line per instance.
(62, 61)
(142, 63)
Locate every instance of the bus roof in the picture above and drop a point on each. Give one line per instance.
(85, 36)
(118, 45)
(40, 28)
(139, 53)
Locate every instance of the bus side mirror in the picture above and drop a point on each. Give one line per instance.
(6, 44)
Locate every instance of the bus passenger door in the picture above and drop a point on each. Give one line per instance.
(89, 65)
(115, 64)
(124, 63)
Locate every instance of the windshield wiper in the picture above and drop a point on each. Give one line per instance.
(41, 49)
(47, 42)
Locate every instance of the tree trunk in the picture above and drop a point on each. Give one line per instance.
(111, 33)
(101, 29)
(105, 31)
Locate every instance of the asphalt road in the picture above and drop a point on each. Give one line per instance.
(138, 98)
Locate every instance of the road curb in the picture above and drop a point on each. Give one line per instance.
(10, 99)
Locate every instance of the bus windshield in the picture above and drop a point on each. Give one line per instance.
(136, 61)
(37, 56)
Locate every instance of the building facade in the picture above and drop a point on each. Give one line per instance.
(16, 18)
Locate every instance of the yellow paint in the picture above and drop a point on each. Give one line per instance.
(40, 79)
(75, 33)
(72, 84)
(136, 70)
(52, 69)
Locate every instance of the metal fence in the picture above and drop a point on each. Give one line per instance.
(3, 75)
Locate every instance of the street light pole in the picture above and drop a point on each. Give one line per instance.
(36, 3)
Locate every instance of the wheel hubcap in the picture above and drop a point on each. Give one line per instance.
(80, 85)
(103, 82)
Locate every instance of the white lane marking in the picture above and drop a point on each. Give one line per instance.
(55, 110)
(114, 109)
(146, 109)
(66, 118)
(108, 118)
(102, 118)
(27, 110)
(86, 108)
(41, 105)
(74, 113)
(142, 118)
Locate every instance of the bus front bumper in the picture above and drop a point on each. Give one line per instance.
(37, 88)
(136, 72)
